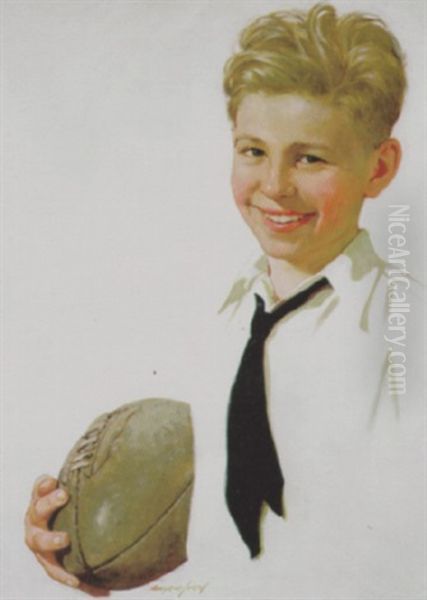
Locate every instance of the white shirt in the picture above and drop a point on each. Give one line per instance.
(349, 450)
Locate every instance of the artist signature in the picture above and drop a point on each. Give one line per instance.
(179, 590)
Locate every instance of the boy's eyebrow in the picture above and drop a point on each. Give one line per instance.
(305, 145)
(294, 146)
(249, 138)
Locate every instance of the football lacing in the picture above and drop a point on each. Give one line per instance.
(86, 446)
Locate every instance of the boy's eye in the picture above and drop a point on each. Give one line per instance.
(309, 159)
(252, 152)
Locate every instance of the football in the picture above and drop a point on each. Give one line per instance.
(130, 481)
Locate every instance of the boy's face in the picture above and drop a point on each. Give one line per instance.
(299, 177)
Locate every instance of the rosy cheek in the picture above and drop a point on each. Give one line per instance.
(242, 188)
(331, 210)
(328, 196)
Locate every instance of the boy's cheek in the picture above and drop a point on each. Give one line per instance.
(332, 198)
(337, 211)
(323, 189)
(329, 212)
(242, 189)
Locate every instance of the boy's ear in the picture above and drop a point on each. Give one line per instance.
(386, 161)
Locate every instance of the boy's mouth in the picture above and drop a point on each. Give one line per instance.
(286, 220)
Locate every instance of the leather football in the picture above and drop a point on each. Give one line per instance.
(130, 481)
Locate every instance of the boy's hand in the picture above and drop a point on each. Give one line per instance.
(46, 499)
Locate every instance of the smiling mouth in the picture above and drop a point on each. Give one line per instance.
(283, 221)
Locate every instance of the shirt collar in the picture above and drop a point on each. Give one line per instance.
(356, 261)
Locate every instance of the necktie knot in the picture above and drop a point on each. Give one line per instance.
(262, 323)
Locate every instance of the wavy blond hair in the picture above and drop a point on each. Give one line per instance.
(353, 61)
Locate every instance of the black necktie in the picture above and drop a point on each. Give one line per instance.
(253, 470)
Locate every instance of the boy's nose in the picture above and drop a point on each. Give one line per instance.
(277, 183)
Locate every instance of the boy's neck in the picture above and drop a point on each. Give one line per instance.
(286, 276)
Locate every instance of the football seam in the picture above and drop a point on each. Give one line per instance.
(76, 523)
(165, 513)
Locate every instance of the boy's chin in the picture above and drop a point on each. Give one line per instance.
(280, 251)
(309, 254)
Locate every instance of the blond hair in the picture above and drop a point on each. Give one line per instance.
(353, 61)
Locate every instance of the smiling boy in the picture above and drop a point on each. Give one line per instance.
(312, 98)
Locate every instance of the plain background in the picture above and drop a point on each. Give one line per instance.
(119, 233)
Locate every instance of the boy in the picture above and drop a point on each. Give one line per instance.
(312, 99)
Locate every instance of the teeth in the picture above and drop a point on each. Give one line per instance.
(282, 219)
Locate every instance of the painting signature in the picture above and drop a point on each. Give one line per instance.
(179, 589)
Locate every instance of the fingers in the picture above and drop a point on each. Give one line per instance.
(37, 535)
(42, 486)
(46, 499)
(42, 508)
(41, 540)
(55, 571)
